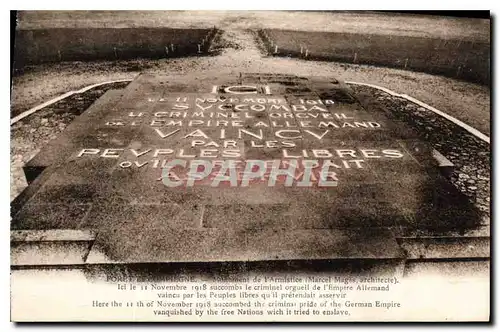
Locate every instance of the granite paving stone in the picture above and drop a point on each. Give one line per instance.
(356, 186)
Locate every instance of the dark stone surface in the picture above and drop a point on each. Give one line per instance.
(470, 155)
(121, 196)
(85, 44)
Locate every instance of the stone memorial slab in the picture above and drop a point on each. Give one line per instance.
(239, 167)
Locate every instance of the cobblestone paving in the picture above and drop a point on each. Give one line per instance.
(469, 154)
(31, 133)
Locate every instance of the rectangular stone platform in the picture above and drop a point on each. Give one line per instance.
(357, 178)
